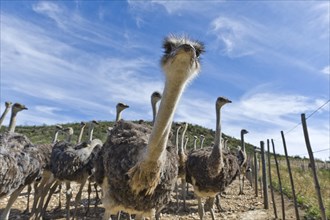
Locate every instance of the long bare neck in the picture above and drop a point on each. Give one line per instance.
(242, 142)
(118, 115)
(160, 132)
(55, 136)
(177, 140)
(81, 134)
(195, 144)
(185, 144)
(90, 132)
(181, 149)
(216, 158)
(154, 111)
(12, 123)
(4, 115)
(202, 142)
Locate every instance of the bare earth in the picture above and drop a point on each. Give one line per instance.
(236, 206)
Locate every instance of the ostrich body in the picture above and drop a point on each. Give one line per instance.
(141, 170)
(7, 107)
(12, 174)
(210, 170)
(74, 163)
(243, 158)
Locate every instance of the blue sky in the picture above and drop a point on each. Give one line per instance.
(72, 61)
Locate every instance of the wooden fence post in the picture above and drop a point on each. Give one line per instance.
(255, 172)
(312, 163)
(290, 175)
(270, 181)
(264, 175)
(279, 180)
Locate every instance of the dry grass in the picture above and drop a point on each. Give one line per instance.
(304, 186)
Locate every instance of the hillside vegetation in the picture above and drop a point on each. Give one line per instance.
(44, 133)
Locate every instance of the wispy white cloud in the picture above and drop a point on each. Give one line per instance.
(52, 70)
(237, 36)
(326, 70)
(264, 115)
(172, 6)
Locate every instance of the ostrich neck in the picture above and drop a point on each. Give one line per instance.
(216, 159)
(195, 143)
(177, 141)
(55, 136)
(90, 132)
(160, 132)
(118, 115)
(12, 123)
(154, 111)
(81, 134)
(242, 142)
(3, 115)
(181, 149)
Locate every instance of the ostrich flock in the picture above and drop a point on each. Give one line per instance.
(138, 166)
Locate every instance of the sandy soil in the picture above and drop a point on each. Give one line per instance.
(236, 206)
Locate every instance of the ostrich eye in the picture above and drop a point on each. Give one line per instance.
(199, 49)
(198, 52)
(168, 47)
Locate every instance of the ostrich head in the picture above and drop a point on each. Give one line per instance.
(18, 107)
(243, 131)
(155, 97)
(181, 53)
(121, 106)
(221, 101)
(8, 104)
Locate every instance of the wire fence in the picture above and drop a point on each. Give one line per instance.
(295, 171)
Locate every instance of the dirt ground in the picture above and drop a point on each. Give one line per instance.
(236, 206)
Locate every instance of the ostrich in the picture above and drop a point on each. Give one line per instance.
(140, 170)
(71, 162)
(49, 183)
(242, 157)
(155, 97)
(8, 106)
(210, 170)
(202, 138)
(20, 161)
(195, 142)
(119, 108)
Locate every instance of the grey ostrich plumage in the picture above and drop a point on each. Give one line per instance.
(198, 160)
(128, 142)
(70, 161)
(20, 162)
